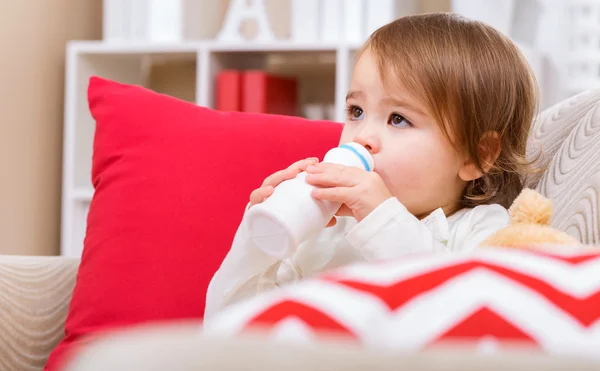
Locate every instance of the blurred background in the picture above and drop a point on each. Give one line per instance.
(201, 51)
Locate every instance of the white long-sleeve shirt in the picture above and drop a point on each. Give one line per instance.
(387, 232)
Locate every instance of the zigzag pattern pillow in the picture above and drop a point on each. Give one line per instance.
(549, 300)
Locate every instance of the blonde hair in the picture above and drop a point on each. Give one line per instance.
(474, 81)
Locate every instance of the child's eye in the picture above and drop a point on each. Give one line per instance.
(399, 121)
(355, 113)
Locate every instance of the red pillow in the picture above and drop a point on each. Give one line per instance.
(545, 298)
(171, 182)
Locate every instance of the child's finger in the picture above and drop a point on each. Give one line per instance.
(289, 173)
(324, 167)
(259, 195)
(335, 194)
(274, 179)
(303, 164)
(341, 176)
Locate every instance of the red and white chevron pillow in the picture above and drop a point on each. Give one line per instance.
(548, 300)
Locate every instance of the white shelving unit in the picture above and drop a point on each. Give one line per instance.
(323, 70)
(128, 63)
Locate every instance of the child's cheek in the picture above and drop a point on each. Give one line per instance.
(402, 175)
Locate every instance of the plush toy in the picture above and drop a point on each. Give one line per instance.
(529, 226)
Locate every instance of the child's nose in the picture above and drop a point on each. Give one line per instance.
(369, 141)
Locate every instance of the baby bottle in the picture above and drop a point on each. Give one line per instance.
(291, 215)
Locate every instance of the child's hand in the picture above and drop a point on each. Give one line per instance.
(359, 190)
(266, 189)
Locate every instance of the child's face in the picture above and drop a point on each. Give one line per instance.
(416, 161)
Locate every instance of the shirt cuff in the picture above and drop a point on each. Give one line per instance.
(362, 232)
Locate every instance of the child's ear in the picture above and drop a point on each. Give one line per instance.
(488, 150)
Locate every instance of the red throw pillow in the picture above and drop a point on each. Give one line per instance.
(546, 299)
(171, 182)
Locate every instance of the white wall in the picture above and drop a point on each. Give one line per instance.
(552, 41)
(33, 34)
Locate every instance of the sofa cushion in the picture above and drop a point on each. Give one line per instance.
(34, 300)
(171, 182)
(546, 299)
(178, 347)
(568, 134)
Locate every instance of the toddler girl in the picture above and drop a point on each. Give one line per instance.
(444, 105)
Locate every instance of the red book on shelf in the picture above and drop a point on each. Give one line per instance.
(267, 93)
(229, 91)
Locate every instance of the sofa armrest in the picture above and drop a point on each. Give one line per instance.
(569, 137)
(34, 299)
(182, 347)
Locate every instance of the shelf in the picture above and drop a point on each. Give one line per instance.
(273, 47)
(315, 71)
(126, 68)
(82, 194)
(99, 47)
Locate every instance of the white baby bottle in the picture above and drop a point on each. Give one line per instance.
(291, 215)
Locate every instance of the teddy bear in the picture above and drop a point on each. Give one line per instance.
(529, 227)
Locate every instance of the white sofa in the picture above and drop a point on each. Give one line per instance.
(35, 291)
